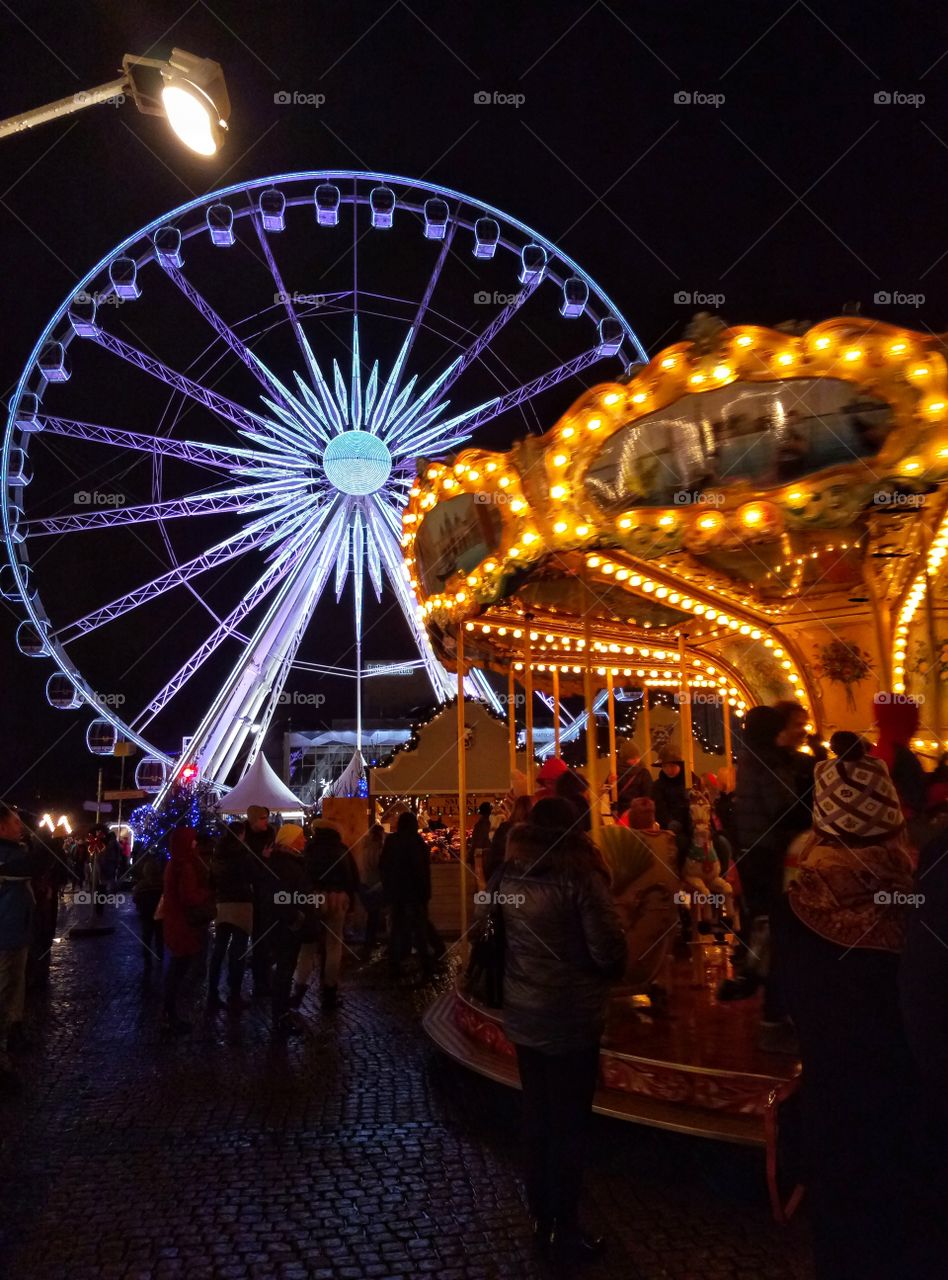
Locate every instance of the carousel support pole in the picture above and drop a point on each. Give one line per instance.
(592, 766)
(556, 712)
(512, 721)
(646, 728)
(882, 621)
(684, 705)
(931, 635)
(528, 700)
(728, 744)
(462, 794)
(613, 754)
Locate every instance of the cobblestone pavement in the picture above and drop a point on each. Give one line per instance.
(357, 1153)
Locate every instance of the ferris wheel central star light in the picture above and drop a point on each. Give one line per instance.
(357, 463)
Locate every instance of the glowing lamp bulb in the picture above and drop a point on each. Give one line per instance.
(191, 118)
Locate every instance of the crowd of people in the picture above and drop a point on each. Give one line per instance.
(279, 897)
(836, 865)
(833, 870)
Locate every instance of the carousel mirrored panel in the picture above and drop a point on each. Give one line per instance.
(768, 432)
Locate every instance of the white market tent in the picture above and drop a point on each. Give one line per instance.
(260, 785)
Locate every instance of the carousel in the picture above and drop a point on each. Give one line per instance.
(755, 516)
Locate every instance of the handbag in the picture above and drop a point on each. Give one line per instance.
(485, 969)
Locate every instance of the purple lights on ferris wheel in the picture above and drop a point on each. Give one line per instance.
(382, 203)
(305, 472)
(328, 198)
(272, 210)
(220, 223)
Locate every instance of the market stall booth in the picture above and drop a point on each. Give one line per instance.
(423, 777)
(757, 515)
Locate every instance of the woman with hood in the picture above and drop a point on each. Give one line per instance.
(564, 946)
(187, 908)
(840, 931)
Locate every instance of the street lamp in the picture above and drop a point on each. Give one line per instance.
(187, 90)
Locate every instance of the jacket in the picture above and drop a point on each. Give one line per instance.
(148, 875)
(185, 890)
(18, 862)
(233, 869)
(405, 866)
(330, 866)
(291, 899)
(634, 781)
(565, 943)
(772, 803)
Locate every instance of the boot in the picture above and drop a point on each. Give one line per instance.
(568, 1242)
(329, 999)
(299, 993)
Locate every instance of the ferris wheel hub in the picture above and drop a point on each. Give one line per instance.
(357, 463)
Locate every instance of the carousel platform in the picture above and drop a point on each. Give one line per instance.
(693, 1068)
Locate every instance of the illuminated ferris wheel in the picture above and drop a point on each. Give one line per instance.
(218, 428)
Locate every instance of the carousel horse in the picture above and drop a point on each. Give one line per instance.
(702, 868)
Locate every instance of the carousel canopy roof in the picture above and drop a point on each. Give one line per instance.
(738, 489)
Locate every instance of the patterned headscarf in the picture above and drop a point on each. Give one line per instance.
(856, 801)
(856, 873)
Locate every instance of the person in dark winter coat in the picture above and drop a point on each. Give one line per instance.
(495, 855)
(334, 876)
(923, 984)
(259, 839)
(634, 781)
(840, 930)
(573, 787)
(234, 871)
(148, 877)
(18, 863)
(564, 946)
(405, 866)
(670, 794)
(772, 804)
(292, 922)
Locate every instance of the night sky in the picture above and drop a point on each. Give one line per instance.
(787, 158)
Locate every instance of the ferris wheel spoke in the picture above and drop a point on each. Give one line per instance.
(219, 554)
(228, 458)
(487, 335)
(278, 398)
(425, 302)
(275, 572)
(471, 419)
(208, 505)
(285, 297)
(246, 421)
(231, 715)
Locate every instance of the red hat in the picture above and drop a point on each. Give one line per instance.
(551, 769)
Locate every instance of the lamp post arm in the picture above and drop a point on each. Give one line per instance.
(64, 106)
